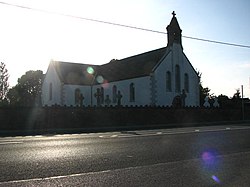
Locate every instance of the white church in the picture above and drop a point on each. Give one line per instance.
(161, 77)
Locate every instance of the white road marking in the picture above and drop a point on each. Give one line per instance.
(186, 131)
(145, 133)
(54, 177)
(6, 143)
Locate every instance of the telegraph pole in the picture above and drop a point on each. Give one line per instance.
(242, 103)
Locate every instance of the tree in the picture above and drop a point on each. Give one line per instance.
(224, 101)
(13, 96)
(204, 91)
(4, 84)
(28, 90)
(237, 94)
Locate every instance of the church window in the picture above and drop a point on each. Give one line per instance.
(50, 91)
(186, 82)
(177, 79)
(77, 96)
(168, 82)
(114, 93)
(102, 95)
(132, 92)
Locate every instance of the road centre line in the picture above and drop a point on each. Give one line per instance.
(119, 169)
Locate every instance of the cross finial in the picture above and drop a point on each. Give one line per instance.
(173, 13)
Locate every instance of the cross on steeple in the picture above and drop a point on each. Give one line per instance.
(173, 13)
(174, 31)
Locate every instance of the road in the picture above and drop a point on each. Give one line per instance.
(207, 156)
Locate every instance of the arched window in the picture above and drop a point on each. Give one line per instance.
(186, 82)
(102, 95)
(50, 91)
(177, 79)
(132, 92)
(77, 96)
(168, 82)
(114, 93)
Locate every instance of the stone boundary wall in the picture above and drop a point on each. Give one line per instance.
(27, 118)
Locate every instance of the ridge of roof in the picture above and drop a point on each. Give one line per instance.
(138, 55)
(74, 63)
(134, 66)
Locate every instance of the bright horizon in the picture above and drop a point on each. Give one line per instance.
(30, 39)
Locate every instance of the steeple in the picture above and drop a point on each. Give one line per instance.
(174, 31)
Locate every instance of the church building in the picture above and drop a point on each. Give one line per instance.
(161, 77)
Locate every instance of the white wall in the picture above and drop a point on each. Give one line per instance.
(193, 96)
(164, 97)
(176, 57)
(51, 77)
(69, 94)
(142, 93)
(65, 94)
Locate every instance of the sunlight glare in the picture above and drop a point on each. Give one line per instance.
(90, 70)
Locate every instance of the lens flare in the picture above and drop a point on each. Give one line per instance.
(211, 164)
(90, 70)
(208, 157)
(216, 179)
(100, 79)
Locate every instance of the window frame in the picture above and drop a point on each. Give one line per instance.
(132, 92)
(77, 96)
(114, 92)
(50, 91)
(186, 83)
(168, 81)
(177, 78)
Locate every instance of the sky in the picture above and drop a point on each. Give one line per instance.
(30, 39)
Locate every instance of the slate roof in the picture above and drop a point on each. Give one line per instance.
(127, 68)
(73, 73)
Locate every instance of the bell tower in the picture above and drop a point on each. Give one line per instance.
(174, 31)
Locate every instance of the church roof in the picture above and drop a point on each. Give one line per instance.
(132, 67)
(127, 68)
(73, 73)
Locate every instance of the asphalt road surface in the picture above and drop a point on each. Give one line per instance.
(209, 156)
